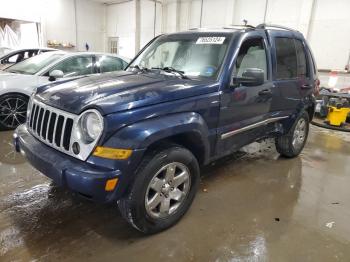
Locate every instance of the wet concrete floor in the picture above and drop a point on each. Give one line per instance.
(252, 206)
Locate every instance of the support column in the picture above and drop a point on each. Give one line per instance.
(307, 13)
(137, 25)
(230, 12)
(311, 19)
(178, 14)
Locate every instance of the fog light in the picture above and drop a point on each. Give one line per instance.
(76, 148)
(112, 153)
(111, 184)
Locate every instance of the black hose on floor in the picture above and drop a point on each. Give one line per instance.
(330, 127)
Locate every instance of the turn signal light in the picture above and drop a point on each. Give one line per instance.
(112, 153)
(111, 184)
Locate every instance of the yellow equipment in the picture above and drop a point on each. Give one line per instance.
(337, 116)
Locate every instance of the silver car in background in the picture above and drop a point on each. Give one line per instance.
(19, 81)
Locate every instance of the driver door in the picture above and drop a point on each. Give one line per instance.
(244, 108)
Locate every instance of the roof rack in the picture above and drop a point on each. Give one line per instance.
(265, 26)
(239, 26)
(198, 28)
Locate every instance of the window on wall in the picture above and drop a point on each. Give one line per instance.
(287, 65)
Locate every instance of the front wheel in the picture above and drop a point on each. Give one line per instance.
(292, 143)
(163, 190)
(13, 111)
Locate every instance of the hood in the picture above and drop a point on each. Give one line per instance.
(26, 84)
(118, 91)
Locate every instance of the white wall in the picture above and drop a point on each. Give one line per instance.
(149, 12)
(58, 18)
(121, 24)
(59, 21)
(328, 33)
(64, 23)
(91, 25)
(21, 10)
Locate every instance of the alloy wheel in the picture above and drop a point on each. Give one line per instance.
(167, 190)
(299, 134)
(13, 112)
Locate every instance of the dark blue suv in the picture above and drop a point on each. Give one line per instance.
(140, 136)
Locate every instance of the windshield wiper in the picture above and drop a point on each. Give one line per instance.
(169, 69)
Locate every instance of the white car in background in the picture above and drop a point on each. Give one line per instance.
(11, 57)
(19, 81)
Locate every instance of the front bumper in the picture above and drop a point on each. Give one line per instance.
(86, 179)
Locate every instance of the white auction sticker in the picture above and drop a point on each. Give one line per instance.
(218, 40)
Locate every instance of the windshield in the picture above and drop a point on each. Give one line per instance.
(33, 65)
(193, 55)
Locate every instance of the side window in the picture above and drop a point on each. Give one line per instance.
(12, 59)
(110, 63)
(26, 54)
(252, 54)
(302, 64)
(81, 65)
(286, 58)
(19, 57)
(312, 60)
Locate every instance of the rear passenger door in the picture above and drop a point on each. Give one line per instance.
(291, 72)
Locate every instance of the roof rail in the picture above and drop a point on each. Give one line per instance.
(198, 28)
(265, 26)
(239, 26)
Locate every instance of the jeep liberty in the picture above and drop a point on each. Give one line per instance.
(139, 137)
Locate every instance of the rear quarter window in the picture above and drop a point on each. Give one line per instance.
(302, 70)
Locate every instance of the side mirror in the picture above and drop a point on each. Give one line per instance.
(250, 77)
(55, 74)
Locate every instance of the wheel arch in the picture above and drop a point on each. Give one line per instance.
(186, 129)
(14, 93)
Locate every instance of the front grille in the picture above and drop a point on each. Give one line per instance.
(51, 125)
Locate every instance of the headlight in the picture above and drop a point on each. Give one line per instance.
(91, 126)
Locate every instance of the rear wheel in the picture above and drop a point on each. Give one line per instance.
(13, 111)
(291, 144)
(163, 190)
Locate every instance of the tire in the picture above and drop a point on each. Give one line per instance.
(151, 185)
(13, 111)
(291, 144)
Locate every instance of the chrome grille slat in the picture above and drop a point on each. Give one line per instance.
(63, 131)
(32, 110)
(48, 125)
(37, 119)
(36, 128)
(54, 130)
(42, 121)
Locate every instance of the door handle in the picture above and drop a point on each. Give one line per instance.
(306, 86)
(265, 92)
